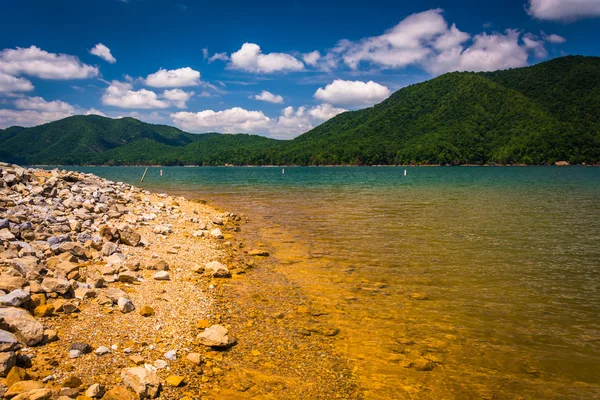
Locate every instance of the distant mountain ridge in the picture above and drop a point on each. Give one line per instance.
(535, 115)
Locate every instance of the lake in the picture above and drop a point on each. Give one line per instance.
(449, 282)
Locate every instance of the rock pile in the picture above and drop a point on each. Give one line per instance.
(67, 241)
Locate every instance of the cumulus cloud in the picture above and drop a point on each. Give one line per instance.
(352, 93)
(553, 38)
(428, 41)
(268, 97)
(251, 59)
(174, 78)
(34, 61)
(32, 111)
(311, 58)
(103, 52)
(9, 84)
(563, 10)
(93, 111)
(290, 123)
(38, 103)
(177, 97)
(121, 94)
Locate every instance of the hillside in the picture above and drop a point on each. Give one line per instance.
(534, 115)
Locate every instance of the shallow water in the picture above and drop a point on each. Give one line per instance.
(508, 260)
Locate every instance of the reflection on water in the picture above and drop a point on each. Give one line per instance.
(446, 283)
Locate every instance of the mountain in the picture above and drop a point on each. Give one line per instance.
(535, 115)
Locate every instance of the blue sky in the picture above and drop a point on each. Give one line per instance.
(261, 67)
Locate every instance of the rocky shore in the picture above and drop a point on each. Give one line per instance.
(110, 291)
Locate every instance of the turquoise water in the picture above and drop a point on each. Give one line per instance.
(508, 259)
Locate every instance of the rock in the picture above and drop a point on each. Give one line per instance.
(125, 305)
(118, 393)
(162, 276)
(142, 381)
(259, 253)
(83, 293)
(109, 249)
(16, 374)
(82, 347)
(7, 361)
(54, 285)
(171, 355)
(72, 382)
(160, 364)
(45, 310)
(8, 341)
(114, 294)
(67, 270)
(25, 327)
(102, 350)
(194, 358)
(216, 336)
(216, 220)
(129, 236)
(10, 283)
(14, 299)
(147, 311)
(37, 394)
(23, 387)
(419, 296)
(75, 353)
(175, 380)
(74, 248)
(69, 308)
(6, 235)
(95, 391)
(157, 264)
(203, 324)
(50, 336)
(162, 230)
(137, 360)
(127, 277)
(216, 233)
(37, 299)
(217, 270)
(422, 365)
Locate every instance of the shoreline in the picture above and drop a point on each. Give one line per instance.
(183, 234)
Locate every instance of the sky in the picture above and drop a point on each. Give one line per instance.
(265, 67)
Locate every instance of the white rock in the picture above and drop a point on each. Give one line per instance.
(162, 276)
(216, 233)
(171, 355)
(75, 353)
(125, 305)
(216, 336)
(102, 350)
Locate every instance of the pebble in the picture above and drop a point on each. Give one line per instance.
(102, 350)
(162, 276)
(125, 305)
(171, 355)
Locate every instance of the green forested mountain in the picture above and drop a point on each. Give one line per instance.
(534, 115)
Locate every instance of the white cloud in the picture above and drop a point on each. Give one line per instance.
(103, 52)
(250, 58)
(93, 111)
(34, 61)
(427, 40)
(488, 52)
(268, 97)
(563, 10)
(120, 94)
(218, 56)
(352, 92)
(311, 58)
(39, 104)
(553, 38)
(174, 78)
(10, 84)
(28, 118)
(178, 97)
(290, 123)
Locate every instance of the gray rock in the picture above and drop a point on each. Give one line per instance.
(20, 322)
(125, 305)
(82, 347)
(162, 276)
(15, 298)
(102, 350)
(54, 285)
(8, 342)
(7, 361)
(109, 249)
(171, 355)
(144, 382)
(216, 336)
(75, 353)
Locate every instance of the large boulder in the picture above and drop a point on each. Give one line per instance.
(20, 322)
(142, 381)
(216, 336)
(15, 298)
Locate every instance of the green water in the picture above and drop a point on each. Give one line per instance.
(508, 258)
